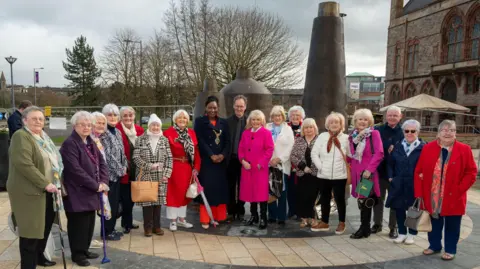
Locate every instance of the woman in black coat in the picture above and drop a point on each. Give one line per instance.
(401, 168)
(214, 144)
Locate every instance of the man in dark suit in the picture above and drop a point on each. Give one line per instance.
(236, 125)
(391, 133)
(15, 120)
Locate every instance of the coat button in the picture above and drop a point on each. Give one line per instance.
(450, 194)
(248, 149)
(252, 138)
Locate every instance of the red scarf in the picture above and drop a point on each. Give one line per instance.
(333, 140)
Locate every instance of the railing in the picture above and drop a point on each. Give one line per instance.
(464, 129)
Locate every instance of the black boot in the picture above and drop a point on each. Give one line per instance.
(365, 216)
(253, 220)
(263, 214)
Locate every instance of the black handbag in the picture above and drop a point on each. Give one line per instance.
(276, 184)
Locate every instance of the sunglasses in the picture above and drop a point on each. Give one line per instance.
(410, 131)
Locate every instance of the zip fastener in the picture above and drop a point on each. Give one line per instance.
(333, 162)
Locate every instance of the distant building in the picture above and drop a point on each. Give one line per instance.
(364, 90)
(286, 97)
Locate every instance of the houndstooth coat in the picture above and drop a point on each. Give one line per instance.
(144, 157)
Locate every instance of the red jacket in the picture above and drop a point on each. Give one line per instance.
(461, 175)
(126, 148)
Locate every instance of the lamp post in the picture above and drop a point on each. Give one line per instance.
(11, 60)
(35, 80)
(141, 58)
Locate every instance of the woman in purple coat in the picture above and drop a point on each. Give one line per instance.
(366, 153)
(85, 176)
(255, 151)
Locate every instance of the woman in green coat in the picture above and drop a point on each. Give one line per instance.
(33, 187)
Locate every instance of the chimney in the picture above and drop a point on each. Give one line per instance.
(396, 9)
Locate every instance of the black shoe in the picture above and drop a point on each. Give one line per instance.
(118, 233)
(393, 233)
(263, 224)
(91, 255)
(46, 263)
(2, 189)
(240, 217)
(126, 230)
(271, 221)
(281, 222)
(360, 234)
(134, 226)
(376, 228)
(112, 237)
(82, 263)
(253, 220)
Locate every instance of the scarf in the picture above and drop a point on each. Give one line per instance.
(186, 140)
(410, 147)
(439, 178)
(96, 139)
(333, 139)
(46, 145)
(276, 130)
(130, 133)
(153, 138)
(359, 139)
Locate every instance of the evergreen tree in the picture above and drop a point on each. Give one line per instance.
(82, 72)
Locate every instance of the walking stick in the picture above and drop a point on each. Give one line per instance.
(105, 259)
(61, 230)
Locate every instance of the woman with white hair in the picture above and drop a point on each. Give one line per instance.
(129, 131)
(306, 171)
(366, 154)
(153, 158)
(296, 115)
(401, 167)
(329, 156)
(186, 162)
(280, 164)
(85, 176)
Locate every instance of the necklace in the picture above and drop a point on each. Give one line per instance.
(217, 134)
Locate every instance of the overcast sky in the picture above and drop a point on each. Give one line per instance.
(37, 32)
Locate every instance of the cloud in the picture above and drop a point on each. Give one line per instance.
(37, 32)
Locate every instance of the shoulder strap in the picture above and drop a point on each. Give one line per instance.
(371, 144)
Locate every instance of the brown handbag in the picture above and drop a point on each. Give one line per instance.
(347, 166)
(144, 191)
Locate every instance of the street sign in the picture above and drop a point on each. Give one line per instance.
(48, 111)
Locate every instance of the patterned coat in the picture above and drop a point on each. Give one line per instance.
(144, 156)
(298, 157)
(114, 154)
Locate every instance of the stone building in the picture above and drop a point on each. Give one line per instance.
(434, 48)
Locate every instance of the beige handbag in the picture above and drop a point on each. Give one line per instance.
(418, 219)
(144, 191)
(192, 191)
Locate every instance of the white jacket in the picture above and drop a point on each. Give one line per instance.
(283, 147)
(331, 165)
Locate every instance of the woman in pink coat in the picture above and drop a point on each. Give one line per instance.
(366, 153)
(255, 151)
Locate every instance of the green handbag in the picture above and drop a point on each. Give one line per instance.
(364, 187)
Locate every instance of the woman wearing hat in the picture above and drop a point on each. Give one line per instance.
(153, 159)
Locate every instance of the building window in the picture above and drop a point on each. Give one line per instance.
(428, 89)
(413, 47)
(395, 95)
(469, 120)
(410, 91)
(474, 25)
(396, 66)
(473, 84)
(455, 39)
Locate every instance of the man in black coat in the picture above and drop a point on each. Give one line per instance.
(15, 122)
(391, 133)
(236, 125)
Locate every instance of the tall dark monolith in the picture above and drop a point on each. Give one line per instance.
(209, 88)
(258, 96)
(325, 89)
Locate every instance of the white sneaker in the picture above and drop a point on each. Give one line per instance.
(400, 239)
(184, 224)
(173, 226)
(96, 244)
(410, 239)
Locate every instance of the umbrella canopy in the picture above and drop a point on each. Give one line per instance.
(427, 102)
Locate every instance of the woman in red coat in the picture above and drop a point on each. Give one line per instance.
(186, 161)
(444, 173)
(130, 131)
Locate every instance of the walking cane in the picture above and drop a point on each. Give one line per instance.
(60, 232)
(105, 259)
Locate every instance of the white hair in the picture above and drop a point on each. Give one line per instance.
(253, 115)
(278, 110)
(96, 115)
(81, 115)
(446, 123)
(339, 117)
(394, 108)
(411, 122)
(363, 112)
(180, 112)
(111, 108)
(297, 108)
(127, 108)
(309, 122)
(29, 110)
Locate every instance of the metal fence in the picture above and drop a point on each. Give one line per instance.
(464, 129)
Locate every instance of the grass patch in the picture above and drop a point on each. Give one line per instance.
(58, 141)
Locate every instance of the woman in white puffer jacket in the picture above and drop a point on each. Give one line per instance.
(328, 155)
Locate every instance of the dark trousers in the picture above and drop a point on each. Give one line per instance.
(338, 188)
(278, 210)
(291, 189)
(263, 209)
(80, 232)
(114, 200)
(452, 233)
(151, 217)
(378, 209)
(31, 250)
(401, 216)
(235, 206)
(308, 188)
(127, 205)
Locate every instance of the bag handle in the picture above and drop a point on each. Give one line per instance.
(418, 203)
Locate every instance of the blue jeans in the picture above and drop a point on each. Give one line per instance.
(452, 233)
(291, 188)
(278, 209)
(401, 216)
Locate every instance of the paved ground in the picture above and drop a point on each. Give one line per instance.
(228, 247)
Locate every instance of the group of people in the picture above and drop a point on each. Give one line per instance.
(284, 168)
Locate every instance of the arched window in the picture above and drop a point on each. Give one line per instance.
(395, 95)
(428, 89)
(474, 33)
(410, 92)
(454, 39)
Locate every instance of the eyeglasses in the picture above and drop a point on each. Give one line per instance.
(410, 131)
(448, 130)
(83, 125)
